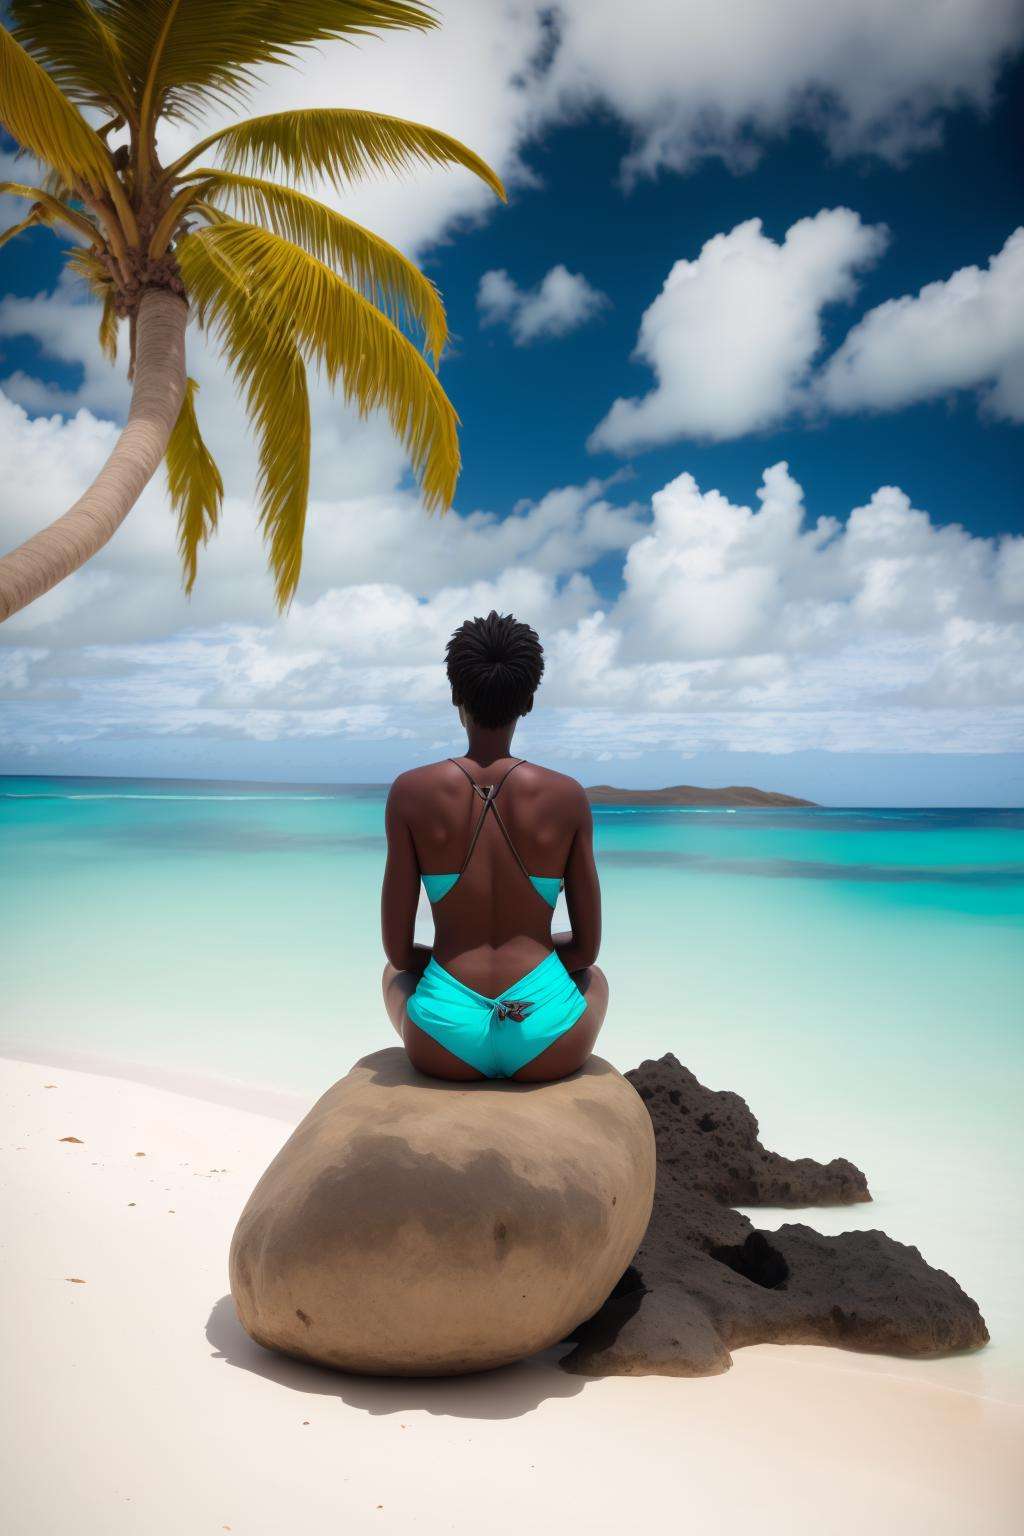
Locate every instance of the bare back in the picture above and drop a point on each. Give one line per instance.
(492, 926)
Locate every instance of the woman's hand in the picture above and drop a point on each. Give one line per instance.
(579, 949)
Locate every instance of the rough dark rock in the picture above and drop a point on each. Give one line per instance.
(705, 1281)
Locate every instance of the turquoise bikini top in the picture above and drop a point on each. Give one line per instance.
(437, 886)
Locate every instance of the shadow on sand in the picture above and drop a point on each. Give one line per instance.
(507, 1393)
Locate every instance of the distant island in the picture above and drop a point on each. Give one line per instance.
(689, 794)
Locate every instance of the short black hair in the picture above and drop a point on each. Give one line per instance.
(494, 666)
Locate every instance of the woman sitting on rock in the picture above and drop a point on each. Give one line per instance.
(494, 839)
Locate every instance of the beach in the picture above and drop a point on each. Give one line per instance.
(139, 1405)
(396, 394)
(854, 975)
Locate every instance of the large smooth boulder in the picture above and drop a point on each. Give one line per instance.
(414, 1227)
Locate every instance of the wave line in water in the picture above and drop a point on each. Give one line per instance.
(9, 795)
(818, 869)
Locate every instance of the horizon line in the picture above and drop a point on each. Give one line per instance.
(380, 784)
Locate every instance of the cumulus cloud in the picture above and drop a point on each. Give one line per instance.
(688, 80)
(732, 335)
(964, 333)
(131, 590)
(352, 457)
(499, 73)
(64, 323)
(719, 78)
(744, 627)
(806, 636)
(712, 580)
(561, 302)
(474, 77)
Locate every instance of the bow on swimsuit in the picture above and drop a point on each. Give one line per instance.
(496, 1035)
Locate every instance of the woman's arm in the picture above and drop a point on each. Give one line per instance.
(579, 948)
(400, 892)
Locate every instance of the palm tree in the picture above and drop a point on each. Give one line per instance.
(277, 279)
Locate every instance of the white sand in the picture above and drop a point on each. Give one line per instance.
(134, 1403)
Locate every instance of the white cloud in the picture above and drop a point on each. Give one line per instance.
(499, 73)
(131, 590)
(712, 580)
(561, 302)
(705, 78)
(751, 628)
(472, 77)
(735, 627)
(964, 333)
(65, 324)
(732, 335)
(19, 168)
(687, 78)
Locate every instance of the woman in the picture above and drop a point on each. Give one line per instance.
(494, 839)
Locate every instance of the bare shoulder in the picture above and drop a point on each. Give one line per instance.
(559, 789)
(415, 785)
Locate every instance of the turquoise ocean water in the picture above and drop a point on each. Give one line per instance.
(857, 975)
(234, 929)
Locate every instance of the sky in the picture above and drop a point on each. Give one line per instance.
(740, 371)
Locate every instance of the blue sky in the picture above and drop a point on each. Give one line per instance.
(688, 639)
(527, 411)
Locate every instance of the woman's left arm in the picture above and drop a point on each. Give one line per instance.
(400, 893)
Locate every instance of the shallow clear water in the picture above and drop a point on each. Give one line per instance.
(858, 976)
(234, 929)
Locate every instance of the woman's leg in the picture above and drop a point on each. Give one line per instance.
(569, 1052)
(422, 1049)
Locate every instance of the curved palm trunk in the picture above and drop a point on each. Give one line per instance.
(159, 386)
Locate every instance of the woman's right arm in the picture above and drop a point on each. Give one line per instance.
(579, 949)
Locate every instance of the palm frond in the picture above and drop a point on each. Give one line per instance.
(271, 376)
(58, 211)
(78, 50)
(278, 400)
(386, 277)
(43, 214)
(340, 330)
(34, 112)
(89, 267)
(108, 328)
(194, 484)
(31, 219)
(53, 183)
(337, 143)
(191, 54)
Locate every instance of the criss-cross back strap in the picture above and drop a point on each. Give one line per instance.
(488, 793)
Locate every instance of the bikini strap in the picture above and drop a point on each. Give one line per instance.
(488, 794)
(483, 789)
(508, 839)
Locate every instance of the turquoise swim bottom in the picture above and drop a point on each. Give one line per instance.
(497, 1035)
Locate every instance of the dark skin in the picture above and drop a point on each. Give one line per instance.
(492, 927)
